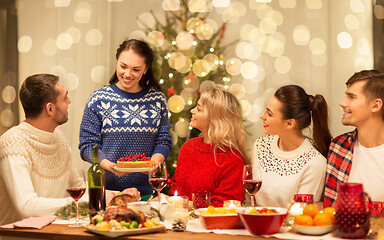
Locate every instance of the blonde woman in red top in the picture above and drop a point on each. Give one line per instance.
(214, 161)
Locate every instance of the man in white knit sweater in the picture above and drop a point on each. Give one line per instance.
(35, 163)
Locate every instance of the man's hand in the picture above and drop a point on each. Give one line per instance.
(133, 192)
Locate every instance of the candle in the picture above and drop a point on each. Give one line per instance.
(231, 204)
(180, 214)
(177, 201)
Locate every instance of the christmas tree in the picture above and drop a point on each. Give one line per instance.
(190, 56)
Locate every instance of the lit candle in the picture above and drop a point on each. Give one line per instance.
(176, 201)
(231, 203)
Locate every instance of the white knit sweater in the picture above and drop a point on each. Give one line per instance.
(287, 173)
(35, 171)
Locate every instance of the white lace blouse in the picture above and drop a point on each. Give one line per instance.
(287, 173)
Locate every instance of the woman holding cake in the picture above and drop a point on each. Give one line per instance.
(214, 161)
(129, 116)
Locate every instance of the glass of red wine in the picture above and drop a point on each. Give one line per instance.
(157, 177)
(252, 181)
(76, 193)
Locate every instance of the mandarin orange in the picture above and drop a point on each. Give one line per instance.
(310, 210)
(322, 219)
(304, 220)
(331, 212)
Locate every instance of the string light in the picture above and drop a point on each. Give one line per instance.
(161, 81)
(211, 49)
(170, 75)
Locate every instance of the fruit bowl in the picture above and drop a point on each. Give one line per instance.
(219, 221)
(262, 224)
(313, 230)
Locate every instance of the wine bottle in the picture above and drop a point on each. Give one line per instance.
(96, 184)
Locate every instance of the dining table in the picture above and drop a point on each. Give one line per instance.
(63, 232)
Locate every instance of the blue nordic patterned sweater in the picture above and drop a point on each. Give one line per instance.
(123, 123)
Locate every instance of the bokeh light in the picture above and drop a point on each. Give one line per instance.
(82, 13)
(99, 74)
(64, 41)
(317, 46)
(70, 81)
(344, 40)
(238, 90)
(62, 3)
(287, 3)
(357, 6)
(351, 22)
(184, 40)
(301, 35)
(7, 118)
(24, 44)
(171, 5)
(363, 46)
(233, 66)
(313, 4)
(75, 34)
(283, 64)
(9, 94)
(176, 104)
(201, 68)
(155, 38)
(138, 34)
(212, 60)
(146, 20)
(198, 5)
(93, 37)
(378, 10)
(182, 128)
(249, 70)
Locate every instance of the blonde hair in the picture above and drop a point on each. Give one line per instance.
(225, 127)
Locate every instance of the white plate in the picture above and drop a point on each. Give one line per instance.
(313, 230)
(136, 231)
(131, 170)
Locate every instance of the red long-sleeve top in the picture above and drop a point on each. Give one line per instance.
(198, 169)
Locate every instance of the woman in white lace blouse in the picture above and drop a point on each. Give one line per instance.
(291, 162)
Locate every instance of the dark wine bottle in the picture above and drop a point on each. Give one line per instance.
(96, 184)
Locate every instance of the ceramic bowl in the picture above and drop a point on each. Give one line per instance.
(262, 224)
(312, 230)
(219, 221)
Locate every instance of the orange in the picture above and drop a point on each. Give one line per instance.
(310, 210)
(304, 220)
(330, 211)
(322, 219)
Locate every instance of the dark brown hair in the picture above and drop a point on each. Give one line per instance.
(298, 105)
(374, 84)
(141, 48)
(36, 91)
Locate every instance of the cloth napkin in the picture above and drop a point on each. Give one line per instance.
(31, 222)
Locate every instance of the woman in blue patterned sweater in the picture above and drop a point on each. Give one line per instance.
(127, 117)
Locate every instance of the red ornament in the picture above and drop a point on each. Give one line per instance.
(171, 91)
(222, 32)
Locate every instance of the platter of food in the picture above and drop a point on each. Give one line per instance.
(122, 232)
(120, 220)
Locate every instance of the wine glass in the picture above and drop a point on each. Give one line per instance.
(157, 177)
(252, 181)
(76, 193)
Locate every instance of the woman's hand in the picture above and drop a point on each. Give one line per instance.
(132, 192)
(108, 165)
(158, 158)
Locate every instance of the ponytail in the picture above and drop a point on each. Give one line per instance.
(321, 136)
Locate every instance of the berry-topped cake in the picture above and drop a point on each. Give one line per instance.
(134, 161)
